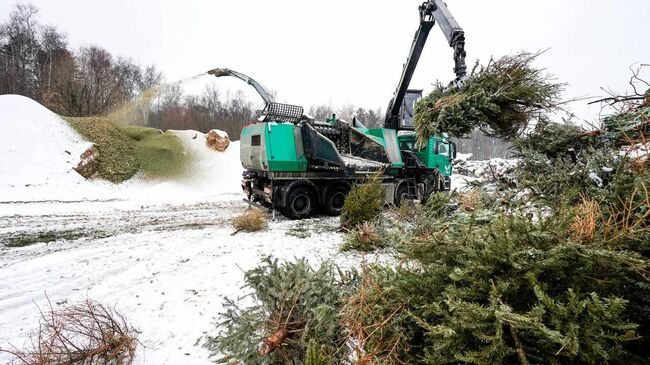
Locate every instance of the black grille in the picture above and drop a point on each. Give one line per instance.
(282, 113)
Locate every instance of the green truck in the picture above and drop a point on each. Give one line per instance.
(309, 166)
(301, 166)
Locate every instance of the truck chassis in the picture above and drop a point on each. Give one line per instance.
(301, 195)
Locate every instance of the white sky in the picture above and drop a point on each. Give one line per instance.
(352, 51)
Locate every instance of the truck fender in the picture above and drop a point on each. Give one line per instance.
(294, 184)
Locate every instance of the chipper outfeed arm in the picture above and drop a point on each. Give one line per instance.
(219, 72)
(276, 112)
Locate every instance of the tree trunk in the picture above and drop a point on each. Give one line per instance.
(519, 348)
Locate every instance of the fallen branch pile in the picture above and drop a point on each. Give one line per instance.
(88, 333)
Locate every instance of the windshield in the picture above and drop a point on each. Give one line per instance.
(443, 148)
(407, 145)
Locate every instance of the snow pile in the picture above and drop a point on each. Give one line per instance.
(494, 168)
(38, 150)
(467, 171)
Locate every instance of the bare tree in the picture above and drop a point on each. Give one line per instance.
(375, 118)
(320, 112)
(20, 49)
(150, 78)
(346, 112)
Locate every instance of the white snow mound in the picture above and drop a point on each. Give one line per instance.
(37, 148)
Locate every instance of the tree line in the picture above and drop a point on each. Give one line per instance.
(36, 61)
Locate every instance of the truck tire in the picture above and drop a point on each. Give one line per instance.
(335, 200)
(402, 195)
(300, 203)
(430, 188)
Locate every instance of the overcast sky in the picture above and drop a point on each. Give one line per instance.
(352, 51)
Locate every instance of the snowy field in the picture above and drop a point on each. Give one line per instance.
(166, 267)
(161, 253)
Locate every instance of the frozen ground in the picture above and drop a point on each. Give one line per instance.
(160, 252)
(166, 267)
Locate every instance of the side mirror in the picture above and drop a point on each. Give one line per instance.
(436, 149)
(453, 150)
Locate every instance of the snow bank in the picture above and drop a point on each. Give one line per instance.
(485, 169)
(38, 151)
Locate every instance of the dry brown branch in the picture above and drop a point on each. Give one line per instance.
(367, 235)
(471, 200)
(87, 333)
(585, 221)
(356, 312)
(636, 97)
(519, 348)
(618, 99)
(252, 220)
(628, 221)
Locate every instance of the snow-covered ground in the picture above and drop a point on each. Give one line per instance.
(160, 252)
(166, 267)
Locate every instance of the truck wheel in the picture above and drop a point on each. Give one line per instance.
(335, 200)
(402, 195)
(430, 189)
(300, 203)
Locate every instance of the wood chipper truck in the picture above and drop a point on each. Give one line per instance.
(299, 166)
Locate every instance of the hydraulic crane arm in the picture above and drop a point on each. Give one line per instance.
(454, 34)
(219, 72)
(431, 11)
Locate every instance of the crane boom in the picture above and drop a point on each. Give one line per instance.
(219, 72)
(431, 11)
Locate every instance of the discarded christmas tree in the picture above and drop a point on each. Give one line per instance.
(500, 99)
(363, 204)
(292, 305)
(556, 273)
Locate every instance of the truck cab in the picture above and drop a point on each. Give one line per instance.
(438, 154)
